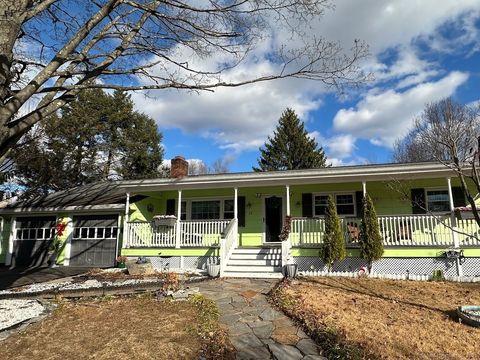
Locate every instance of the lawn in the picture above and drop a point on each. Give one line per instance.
(384, 319)
(122, 328)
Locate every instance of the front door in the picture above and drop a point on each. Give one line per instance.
(273, 218)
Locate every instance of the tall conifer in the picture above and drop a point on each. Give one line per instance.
(290, 148)
(371, 241)
(333, 247)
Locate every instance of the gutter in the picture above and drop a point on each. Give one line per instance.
(108, 208)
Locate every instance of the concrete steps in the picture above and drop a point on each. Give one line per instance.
(265, 262)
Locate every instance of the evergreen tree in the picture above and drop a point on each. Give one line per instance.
(371, 241)
(290, 148)
(333, 247)
(96, 137)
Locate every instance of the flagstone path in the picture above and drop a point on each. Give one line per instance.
(256, 330)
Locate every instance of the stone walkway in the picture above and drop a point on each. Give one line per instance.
(256, 330)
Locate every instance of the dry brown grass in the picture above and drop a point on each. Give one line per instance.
(391, 319)
(130, 328)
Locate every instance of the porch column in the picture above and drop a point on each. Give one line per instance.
(179, 216)
(287, 188)
(11, 238)
(453, 221)
(364, 188)
(235, 203)
(126, 218)
(456, 243)
(450, 194)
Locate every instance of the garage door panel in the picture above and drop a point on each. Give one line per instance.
(33, 237)
(94, 241)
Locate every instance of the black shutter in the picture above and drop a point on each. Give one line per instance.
(170, 207)
(458, 196)
(307, 205)
(418, 201)
(359, 203)
(241, 211)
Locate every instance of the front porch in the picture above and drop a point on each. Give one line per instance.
(397, 231)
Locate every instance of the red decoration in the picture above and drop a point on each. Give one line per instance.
(60, 228)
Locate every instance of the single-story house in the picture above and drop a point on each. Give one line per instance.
(185, 222)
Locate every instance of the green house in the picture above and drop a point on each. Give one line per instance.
(185, 222)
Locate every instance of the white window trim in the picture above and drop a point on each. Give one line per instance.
(222, 199)
(438, 188)
(334, 194)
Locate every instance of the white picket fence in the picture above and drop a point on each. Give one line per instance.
(401, 230)
(193, 233)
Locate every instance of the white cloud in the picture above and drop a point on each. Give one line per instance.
(338, 148)
(241, 118)
(236, 119)
(384, 117)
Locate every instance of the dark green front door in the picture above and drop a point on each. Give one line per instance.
(273, 218)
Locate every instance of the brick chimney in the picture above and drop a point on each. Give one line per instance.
(179, 167)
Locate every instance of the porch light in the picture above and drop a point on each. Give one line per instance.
(258, 195)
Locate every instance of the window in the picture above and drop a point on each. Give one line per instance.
(345, 204)
(183, 211)
(204, 210)
(438, 201)
(228, 209)
(320, 205)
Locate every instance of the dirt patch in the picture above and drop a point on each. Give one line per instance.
(130, 328)
(387, 319)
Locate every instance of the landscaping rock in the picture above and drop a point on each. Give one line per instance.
(285, 352)
(253, 354)
(245, 342)
(263, 332)
(314, 357)
(270, 314)
(308, 347)
(140, 269)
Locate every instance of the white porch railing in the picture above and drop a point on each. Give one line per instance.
(201, 232)
(192, 234)
(401, 230)
(228, 243)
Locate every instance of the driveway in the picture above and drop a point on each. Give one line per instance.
(10, 278)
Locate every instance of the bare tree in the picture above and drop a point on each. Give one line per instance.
(52, 49)
(197, 167)
(220, 166)
(447, 132)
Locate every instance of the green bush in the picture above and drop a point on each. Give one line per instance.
(371, 241)
(333, 247)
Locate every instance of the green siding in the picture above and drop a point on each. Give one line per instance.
(390, 198)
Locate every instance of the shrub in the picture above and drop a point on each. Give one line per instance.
(371, 241)
(333, 247)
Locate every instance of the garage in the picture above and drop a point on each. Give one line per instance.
(33, 237)
(94, 241)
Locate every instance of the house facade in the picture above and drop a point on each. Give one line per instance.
(185, 222)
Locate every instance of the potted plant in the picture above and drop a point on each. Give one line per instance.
(213, 269)
(121, 262)
(291, 270)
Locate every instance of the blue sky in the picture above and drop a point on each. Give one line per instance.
(421, 51)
